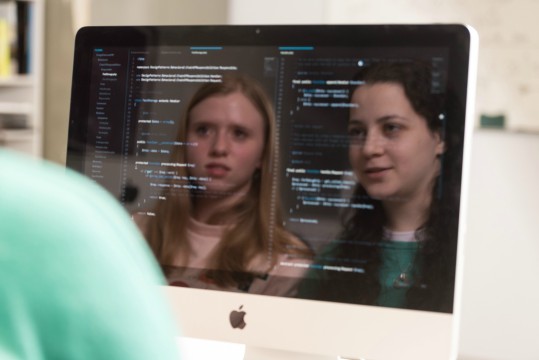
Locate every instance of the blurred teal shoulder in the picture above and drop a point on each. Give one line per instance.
(78, 280)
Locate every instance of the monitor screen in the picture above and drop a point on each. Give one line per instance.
(300, 186)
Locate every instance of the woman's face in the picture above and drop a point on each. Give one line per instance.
(393, 153)
(228, 136)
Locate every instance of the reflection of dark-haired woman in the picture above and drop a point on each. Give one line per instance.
(401, 226)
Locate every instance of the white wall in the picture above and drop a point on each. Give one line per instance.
(157, 12)
(508, 81)
(500, 315)
(63, 17)
(509, 41)
(500, 294)
(59, 39)
(258, 12)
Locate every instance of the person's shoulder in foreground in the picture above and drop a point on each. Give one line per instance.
(77, 280)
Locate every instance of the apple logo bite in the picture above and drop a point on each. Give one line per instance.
(237, 318)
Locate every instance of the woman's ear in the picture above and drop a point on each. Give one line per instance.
(440, 144)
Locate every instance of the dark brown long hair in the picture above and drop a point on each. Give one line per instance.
(363, 225)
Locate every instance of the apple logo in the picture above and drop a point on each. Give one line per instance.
(237, 318)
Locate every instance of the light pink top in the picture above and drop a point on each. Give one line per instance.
(280, 280)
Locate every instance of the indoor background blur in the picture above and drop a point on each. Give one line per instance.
(500, 289)
(508, 72)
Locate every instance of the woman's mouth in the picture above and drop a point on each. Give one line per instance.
(376, 173)
(217, 170)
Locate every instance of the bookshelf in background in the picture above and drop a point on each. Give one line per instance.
(21, 75)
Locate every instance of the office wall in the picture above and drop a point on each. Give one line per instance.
(277, 11)
(508, 83)
(158, 12)
(59, 37)
(64, 16)
(500, 319)
(499, 316)
(508, 79)
(499, 299)
(508, 73)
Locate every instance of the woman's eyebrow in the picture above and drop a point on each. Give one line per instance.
(355, 122)
(382, 119)
(390, 117)
(201, 122)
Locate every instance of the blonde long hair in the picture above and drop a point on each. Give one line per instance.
(258, 227)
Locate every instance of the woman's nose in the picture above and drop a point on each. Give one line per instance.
(373, 145)
(220, 144)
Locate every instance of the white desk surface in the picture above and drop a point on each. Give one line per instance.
(197, 349)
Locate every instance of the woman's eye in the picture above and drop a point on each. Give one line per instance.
(202, 130)
(357, 134)
(240, 134)
(392, 129)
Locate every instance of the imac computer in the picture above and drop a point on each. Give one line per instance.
(301, 186)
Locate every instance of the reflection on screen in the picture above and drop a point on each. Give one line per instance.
(309, 200)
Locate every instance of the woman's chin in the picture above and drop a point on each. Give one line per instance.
(385, 196)
(223, 191)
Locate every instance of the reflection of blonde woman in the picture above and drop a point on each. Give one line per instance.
(226, 217)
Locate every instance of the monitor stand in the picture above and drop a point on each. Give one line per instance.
(193, 348)
(257, 353)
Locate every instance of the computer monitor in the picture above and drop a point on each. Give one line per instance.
(301, 186)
